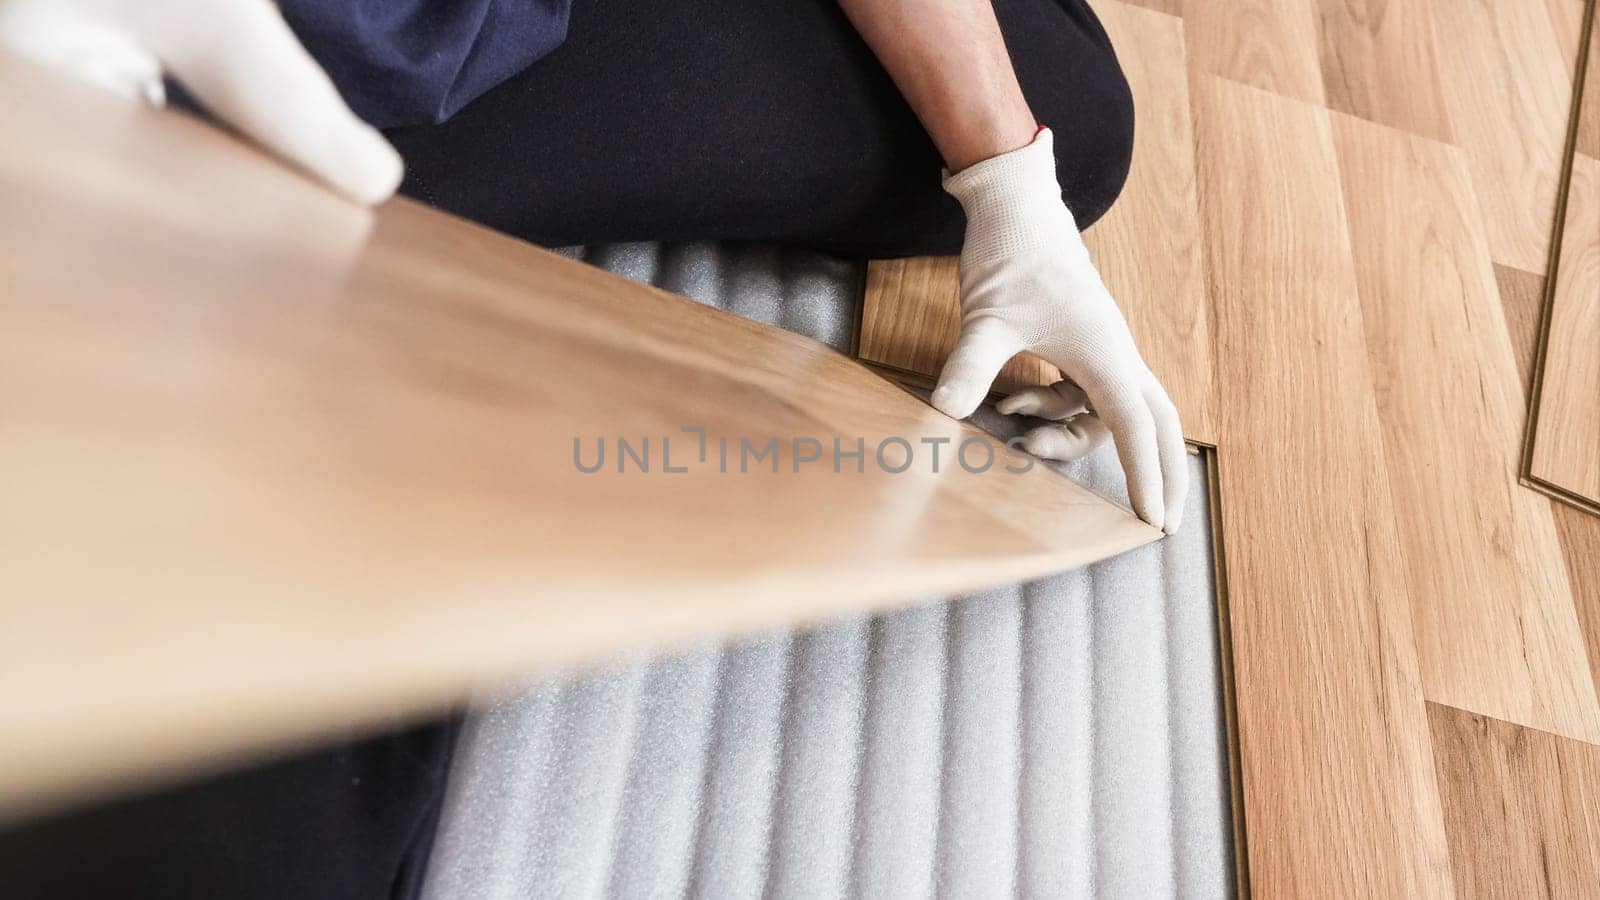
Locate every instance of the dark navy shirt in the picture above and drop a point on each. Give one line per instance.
(414, 62)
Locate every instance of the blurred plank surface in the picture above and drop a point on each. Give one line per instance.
(1566, 437)
(1523, 807)
(1494, 620)
(1325, 660)
(272, 465)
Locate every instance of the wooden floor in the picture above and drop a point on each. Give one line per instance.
(1564, 455)
(1332, 248)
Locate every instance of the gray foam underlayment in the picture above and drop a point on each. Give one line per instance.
(1060, 738)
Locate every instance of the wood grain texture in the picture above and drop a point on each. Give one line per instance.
(1369, 47)
(1521, 296)
(1271, 44)
(1147, 246)
(1566, 437)
(1170, 7)
(1339, 790)
(1579, 531)
(273, 465)
(911, 318)
(1492, 610)
(1508, 86)
(1523, 807)
(1571, 29)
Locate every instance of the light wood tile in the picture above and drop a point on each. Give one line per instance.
(1369, 48)
(1588, 137)
(1579, 531)
(911, 318)
(1271, 44)
(1339, 790)
(1521, 295)
(1522, 807)
(1147, 246)
(1494, 621)
(1566, 441)
(1170, 7)
(1508, 86)
(271, 465)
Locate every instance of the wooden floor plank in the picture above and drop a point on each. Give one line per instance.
(1522, 807)
(1170, 7)
(1579, 531)
(911, 318)
(1336, 758)
(1566, 439)
(1588, 136)
(1494, 621)
(1521, 296)
(1508, 86)
(1371, 46)
(1271, 44)
(1147, 246)
(273, 465)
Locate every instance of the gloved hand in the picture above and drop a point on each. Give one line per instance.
(1027, 283)
(238, 57)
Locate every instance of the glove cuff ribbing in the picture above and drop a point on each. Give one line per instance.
(1012, 201)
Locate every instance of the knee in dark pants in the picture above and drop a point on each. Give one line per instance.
(1092, 175)
(1074, 84)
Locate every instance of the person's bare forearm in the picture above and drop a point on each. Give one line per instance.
(949, 60)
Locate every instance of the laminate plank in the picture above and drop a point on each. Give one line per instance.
(273, 465)
(911, 318)
(1522, 807)
(1147, 248)
(1370, 49)
(1271, 44)
(1170, 7)
(1566, 436)
(1492, 610)
(1579, 532)
(1513, 125)
(1338, 770)
(1588, 136)
(1521, 296)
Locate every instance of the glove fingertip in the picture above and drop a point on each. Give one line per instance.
(955, 401)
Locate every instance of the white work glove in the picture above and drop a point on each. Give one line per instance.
(1027, 283)
(237, 57)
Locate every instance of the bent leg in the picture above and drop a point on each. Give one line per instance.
(751, 120)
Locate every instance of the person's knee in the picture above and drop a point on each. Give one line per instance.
(1092, 183)
(1074, 84)
(1094, 144)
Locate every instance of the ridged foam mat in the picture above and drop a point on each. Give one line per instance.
(1060, 738)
